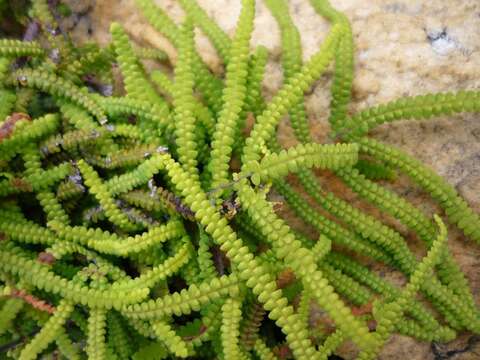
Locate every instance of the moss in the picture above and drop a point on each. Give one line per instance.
(142, 225)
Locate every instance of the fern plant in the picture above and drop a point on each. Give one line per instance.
(140, 225)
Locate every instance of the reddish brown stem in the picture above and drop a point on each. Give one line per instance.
(32, 300)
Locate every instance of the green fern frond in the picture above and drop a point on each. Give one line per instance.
(231, 313)
(183, 100)
(136, 85)
(218, 37)
(172, 341)
(48, 332)
(233, 96)
(411, 108)
(96, 346)
(302, 156)
(60, 87)
(16, 48)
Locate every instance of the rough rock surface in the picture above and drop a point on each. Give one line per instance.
(404, 47)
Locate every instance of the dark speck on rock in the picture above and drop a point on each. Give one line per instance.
(396, 8)
(437, 35)
(476, 133)
(441, 42)
(454, 350)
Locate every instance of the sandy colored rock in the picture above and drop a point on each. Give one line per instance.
(407, 47)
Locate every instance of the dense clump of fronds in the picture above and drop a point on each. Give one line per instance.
(139, 225)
